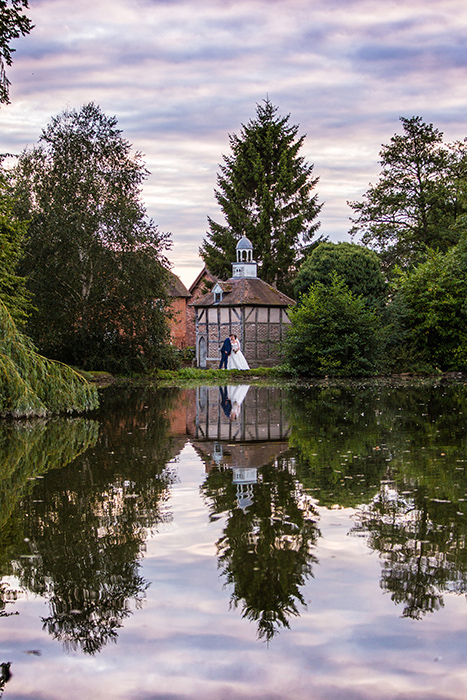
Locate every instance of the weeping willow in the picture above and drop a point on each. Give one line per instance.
(30, 449)
(31, 385)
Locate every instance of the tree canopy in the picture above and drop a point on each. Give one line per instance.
(265, 190)
(94, 262)
(333, 333)
(431, 302)
(418, 197)
(357, 266)
(13, 24)
(13, 291)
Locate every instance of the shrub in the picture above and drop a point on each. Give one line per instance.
(333, 333)
(432, 299)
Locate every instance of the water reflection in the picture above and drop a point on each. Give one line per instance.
(79, 498)
(79, 536)
(398, 456)
(240, 413)
(266, 551)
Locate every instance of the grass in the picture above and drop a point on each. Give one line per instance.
(193, 375)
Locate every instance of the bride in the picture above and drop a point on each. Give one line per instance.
(236, 358)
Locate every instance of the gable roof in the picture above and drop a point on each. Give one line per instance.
(244, 291)
(205, 274)
(175, 286)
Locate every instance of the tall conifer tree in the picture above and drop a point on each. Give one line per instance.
(265, 191)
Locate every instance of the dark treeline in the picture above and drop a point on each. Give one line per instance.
(84, 270)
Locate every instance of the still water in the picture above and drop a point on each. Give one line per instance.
(238, 542)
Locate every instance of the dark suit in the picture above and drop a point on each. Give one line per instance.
(226, 349)
(226, 403)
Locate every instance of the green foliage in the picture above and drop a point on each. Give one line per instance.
(13, 24)
(357, 266)
(31, 385)
(420, 193)
(266, 550)
(432, 305)
(30, 449)
(84, 527)
(265, 192)
(13, 291)
(333, 333)
(93, 260)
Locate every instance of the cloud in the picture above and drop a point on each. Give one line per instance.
(180, 76)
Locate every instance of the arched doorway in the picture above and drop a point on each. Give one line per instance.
(202, 352)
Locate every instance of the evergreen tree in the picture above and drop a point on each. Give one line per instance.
(93, 260)
(419, 195)
(265, 191)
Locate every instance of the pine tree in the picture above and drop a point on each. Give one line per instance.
(265, 191)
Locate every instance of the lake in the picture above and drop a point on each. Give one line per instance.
(236, 543)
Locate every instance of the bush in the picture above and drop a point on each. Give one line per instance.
(357, 266)
(432, 304)
(333, 333)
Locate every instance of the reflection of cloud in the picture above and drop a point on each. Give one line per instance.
(180, 77)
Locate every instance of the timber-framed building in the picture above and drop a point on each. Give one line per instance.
(245, 305)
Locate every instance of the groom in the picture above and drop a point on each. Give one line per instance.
(226, 349)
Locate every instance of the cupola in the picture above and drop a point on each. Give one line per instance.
(244, 266)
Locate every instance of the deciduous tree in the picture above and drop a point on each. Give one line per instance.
(13, 291)
(419, 195)
(333, 333)
(431, 303)
(357, 266)
(94, 261)
(13, 24)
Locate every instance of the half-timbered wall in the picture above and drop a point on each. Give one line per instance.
(260, 329)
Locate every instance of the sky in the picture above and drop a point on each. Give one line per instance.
(181, 75)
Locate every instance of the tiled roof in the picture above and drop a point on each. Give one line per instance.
(245, 291)
(206, 274)
(175, 286)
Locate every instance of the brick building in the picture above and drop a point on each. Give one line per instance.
(202, 285)
(245, 305)
(180, 297)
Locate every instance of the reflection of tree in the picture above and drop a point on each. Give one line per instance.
(402, 451)
(5, 675)
(27, 451)
(336, 434)
(265, 551)
(423, 544)
(86, 524)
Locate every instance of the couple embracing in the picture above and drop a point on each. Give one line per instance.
(231, 355)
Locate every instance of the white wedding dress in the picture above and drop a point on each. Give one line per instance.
(236, 358)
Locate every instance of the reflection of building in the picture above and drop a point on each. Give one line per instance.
(245, 305)
(259, 418)
(256, 436)
(244, 479)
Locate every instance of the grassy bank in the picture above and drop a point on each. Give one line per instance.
(196, 376)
